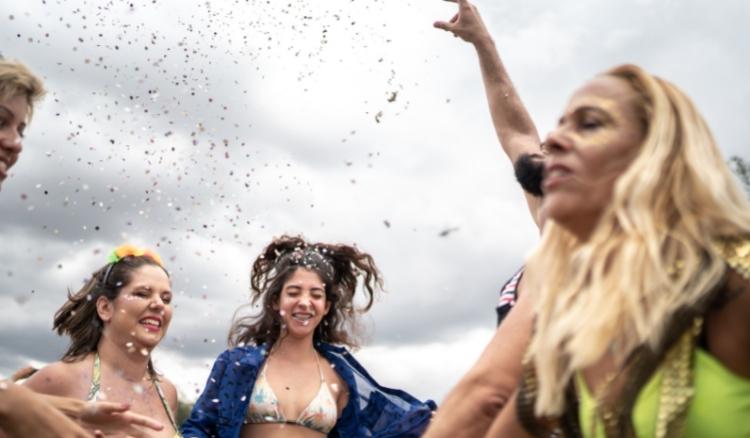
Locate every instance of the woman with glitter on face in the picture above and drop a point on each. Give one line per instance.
(282, 377)
(642, 280)
(114, 322)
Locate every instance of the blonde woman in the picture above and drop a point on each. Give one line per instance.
(641, 282)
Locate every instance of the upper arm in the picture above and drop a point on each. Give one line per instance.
(728, 327)
(500, 365)
(507, 423)
(516, 144)
(54, 379)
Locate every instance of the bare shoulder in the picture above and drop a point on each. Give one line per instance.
(170, 392)
(66, 379)
(728, 326)
(738, 286)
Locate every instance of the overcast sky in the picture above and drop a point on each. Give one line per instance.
(206, 128)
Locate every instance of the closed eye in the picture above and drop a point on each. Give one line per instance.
(591, 124)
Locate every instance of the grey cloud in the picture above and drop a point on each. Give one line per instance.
(431, 163)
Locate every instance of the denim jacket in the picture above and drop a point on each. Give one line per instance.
(372, 410)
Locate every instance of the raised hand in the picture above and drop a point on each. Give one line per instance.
(466, 24)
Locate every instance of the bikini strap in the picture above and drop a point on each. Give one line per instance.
(164, 403)
(96, 379)
(320, 370)
(96, 383)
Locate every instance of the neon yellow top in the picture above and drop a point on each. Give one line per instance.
(720, 406)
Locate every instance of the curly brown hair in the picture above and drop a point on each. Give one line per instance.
(339, 267)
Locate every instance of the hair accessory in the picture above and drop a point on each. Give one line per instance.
(309, 257)
(126, 250)
(123, 251)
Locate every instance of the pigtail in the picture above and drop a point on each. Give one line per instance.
(262, 271)
(338, 266)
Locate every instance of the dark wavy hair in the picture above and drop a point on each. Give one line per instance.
(339, 267)
(78, 318)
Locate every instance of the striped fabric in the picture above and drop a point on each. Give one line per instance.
(508, 295)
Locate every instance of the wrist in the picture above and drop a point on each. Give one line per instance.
(484, 42)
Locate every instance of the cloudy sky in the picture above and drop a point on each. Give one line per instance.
(206, 128)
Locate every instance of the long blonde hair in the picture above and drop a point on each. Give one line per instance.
(650, 254)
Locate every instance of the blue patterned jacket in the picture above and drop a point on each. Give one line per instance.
(372, 410)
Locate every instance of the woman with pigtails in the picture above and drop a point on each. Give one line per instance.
(287, 373)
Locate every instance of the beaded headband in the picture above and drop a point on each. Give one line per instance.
(309, 258)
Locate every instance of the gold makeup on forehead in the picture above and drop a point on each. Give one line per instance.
(606, 109)
(606, 104)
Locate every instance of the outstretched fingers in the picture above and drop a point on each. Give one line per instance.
(142, 420)
(105, 408)
(446, 25)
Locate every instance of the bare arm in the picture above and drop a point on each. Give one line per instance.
(24, 413)
(513, 125)
(470, 408)
(507, 423)
(54, 388)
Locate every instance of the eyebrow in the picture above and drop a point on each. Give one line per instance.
(296, 286)
(150, 289)
(587, 108)
(9, 112)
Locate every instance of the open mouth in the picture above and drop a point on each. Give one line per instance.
(555, 174)
(151, 324)
(303, 317)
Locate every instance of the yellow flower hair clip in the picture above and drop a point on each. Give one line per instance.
(126, 250)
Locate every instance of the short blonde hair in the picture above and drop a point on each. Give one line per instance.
(17, 80)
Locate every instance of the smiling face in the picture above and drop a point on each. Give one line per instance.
(302, 303)
(13, 114)
(140, 315)
(596, 139)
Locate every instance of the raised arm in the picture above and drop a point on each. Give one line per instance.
(471, 407)
(513, 124)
